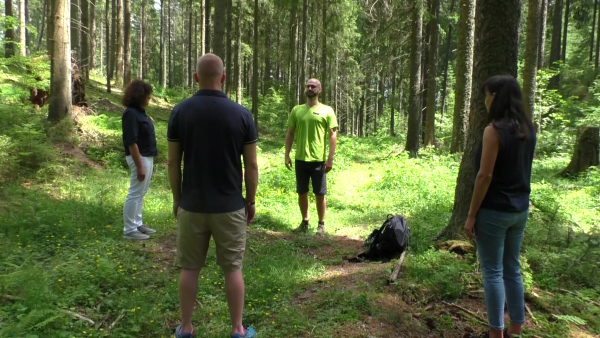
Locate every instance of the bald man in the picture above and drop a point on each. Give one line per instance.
(211, 134)
(312, 124)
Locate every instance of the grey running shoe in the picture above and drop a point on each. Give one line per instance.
(321, 229)
(303, 228)
(145, 230)
(136, 235)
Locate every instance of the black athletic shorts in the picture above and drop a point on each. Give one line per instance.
(314, 171)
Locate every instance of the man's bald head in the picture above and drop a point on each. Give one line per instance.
(209, 70)
(314, 81)
(313, 88)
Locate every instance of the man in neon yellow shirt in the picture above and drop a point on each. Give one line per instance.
(312, 124)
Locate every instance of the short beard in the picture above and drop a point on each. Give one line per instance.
(311, 95)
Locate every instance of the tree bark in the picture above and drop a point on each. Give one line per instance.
(22, 25)
(219, 35)
(126, 42)
(566, 30)
(92, 37)
(108, 51)
(267, 71)
(464, 71)
(593, 31)
(414, 115)
(530, 68)
(496, 52)
(380, 101)
(304, 41)
(9, 33)
(597, 41)
(113, 38)
(203, 26)
(324, 53)
(392, 116)
(448, 41)
(141, 47)
(238, 53)
(431, 85)
(542, 34)
(162, 77)
(75, 28)
(85, 31)
(119, 64)
(49, 29)
(60, 77)
(44, 15)
(207, 10)
(586, 153)
(556, 40)
(191, 64)
(255, 66)
(228, 49)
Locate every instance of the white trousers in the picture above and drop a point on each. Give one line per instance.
(134, 202)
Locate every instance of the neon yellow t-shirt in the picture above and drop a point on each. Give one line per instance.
(312, 126)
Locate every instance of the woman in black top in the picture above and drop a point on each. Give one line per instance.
(139, 141)
(500, 202)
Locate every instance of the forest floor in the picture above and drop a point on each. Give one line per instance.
(65, 270)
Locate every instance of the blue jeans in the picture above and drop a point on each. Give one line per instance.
(499, 236)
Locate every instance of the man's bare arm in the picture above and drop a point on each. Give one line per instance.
(174, 169)
(250, 171)
(289, 140)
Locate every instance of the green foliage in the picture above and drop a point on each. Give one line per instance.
(570, 319)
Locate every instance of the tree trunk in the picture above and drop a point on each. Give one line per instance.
(304, 41)
(27, 20)
(556, 39)
(586, 153)
(113, 38)
(119, 37)
(593, 31)
(203, 27)
(45, 10)
(380, 101)
(530, 68)
(207, 10)
(228, 49)
(566, 30)
(255, 66)
(431, 85)
(238, 53)
(597, 40)
(127, 42)
(141, 47)
(92, 37)
(22, 25)
(49, 29)
(448, 41)
(9, 33)
(219, 35)
(267, 72)
(85, 31)
(392, 116)
(324, 53)
(60, 77)
(496, 52)
(108, 51)
(170, 71)
(191, 64)
(464, 71)
(542, 34)
(292, 78)
(361, 113)
(162, 77)
(75, 29)
(414, 115)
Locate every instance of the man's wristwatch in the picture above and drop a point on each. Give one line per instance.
(250, 203)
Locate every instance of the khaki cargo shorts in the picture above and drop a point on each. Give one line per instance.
(193, 236)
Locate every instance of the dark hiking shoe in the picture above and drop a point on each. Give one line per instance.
(303, 228)
(321, 229)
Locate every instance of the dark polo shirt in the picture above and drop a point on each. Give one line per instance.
(212, 131)
(138, 128)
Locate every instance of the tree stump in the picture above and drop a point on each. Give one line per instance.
(587, 152)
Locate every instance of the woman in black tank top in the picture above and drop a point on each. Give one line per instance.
(500, 202)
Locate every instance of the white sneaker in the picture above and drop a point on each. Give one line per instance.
(136, 235)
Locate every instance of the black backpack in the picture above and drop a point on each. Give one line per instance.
(386, 242)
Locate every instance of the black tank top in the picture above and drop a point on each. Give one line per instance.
(511, 181)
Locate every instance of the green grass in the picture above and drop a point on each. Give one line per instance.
(61, 245)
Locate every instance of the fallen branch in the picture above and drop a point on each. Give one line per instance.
(77, 315)
(475, 316)
(112, 326)
(253, 250)
(199, 304)
(13, 298)
(531, 314)
(397, 268)
(579, 296)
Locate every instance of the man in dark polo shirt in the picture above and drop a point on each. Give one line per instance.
(211, 133)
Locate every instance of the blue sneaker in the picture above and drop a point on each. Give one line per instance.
(179, 334)
(250, 333)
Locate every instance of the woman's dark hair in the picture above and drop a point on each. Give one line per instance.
(507, 112)
(136, 93)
